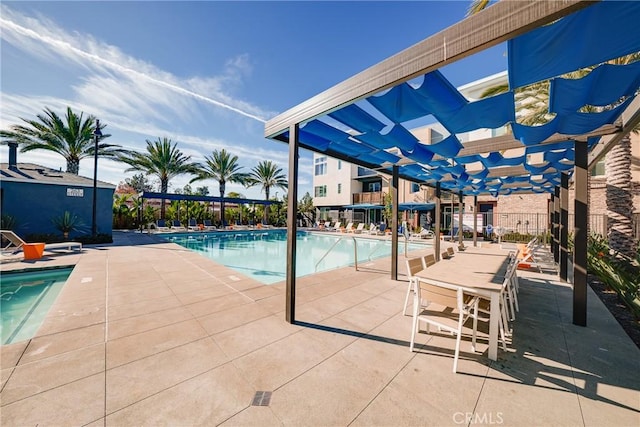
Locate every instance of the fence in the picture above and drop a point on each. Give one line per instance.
(529, 224)
(537, 224)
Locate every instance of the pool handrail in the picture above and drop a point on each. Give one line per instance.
(338, 240)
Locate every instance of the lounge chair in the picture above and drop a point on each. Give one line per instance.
(208, 226)
(357, 230)
(424, 234)
(347, 229)
(176, 226)
(373, 229)
(335, 227)
(527, 261)
(382, 229)
(193, 225)
(16, 243)
(161, 225)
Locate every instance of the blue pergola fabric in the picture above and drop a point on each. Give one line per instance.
(603, 86)
(488, 113)
(596, 34)
(358, 119)
(575, 123)
(373, 132)
(323, 130)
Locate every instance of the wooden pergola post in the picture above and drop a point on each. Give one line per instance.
(394, 223)
(556, 225)
(581, 182)
(475, 221)
(564, 225)
(460, 217)
(292, 226)
(436, 243)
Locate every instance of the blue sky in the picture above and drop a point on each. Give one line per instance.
(205, 74)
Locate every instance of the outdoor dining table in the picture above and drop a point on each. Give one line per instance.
(478, 271)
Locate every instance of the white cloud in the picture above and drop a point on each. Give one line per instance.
(138, 101)
(133, 74)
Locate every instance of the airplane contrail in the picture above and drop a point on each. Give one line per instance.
(58, 44)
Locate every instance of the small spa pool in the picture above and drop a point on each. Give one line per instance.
(26, 297)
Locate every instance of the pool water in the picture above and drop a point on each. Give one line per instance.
(25, 299)
(262, 255)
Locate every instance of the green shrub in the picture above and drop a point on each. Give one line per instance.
(8, 222)
(617, 272)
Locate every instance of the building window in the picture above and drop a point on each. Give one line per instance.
(339, 164)
(373, 187)
(502, 130)
(324, 214)
(321, 165)
(320, 191)
(339, 188)
(598, 169)
(415, 187)
(364, 171)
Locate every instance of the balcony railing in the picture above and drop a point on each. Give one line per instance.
(374, 198)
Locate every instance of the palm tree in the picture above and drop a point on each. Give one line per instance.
(619, 195)
(162, 159)
(532, 109)
(223, 167)
(268, 174)
(71, 137)
(121, 209)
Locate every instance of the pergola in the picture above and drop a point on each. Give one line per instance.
(366, 119)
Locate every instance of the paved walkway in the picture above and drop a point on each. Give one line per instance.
(148, 333)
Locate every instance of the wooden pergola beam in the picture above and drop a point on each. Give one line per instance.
(630, 119)
(508, 142)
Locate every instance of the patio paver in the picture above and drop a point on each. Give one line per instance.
(145, 332)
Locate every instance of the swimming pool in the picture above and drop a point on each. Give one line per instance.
(262, 255)
(26, 297)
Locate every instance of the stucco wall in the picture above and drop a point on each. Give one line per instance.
(33, 205)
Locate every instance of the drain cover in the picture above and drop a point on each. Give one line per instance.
(262, 398)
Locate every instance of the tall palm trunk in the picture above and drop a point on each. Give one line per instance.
(266, 206)
(164, 185)
(620, 198)
(222, 190)
(73, 165)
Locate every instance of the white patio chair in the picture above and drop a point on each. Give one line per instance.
(413, 266)
(446, 310)
(428, 260)
(481, 309)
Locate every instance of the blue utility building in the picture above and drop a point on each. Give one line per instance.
(33, 195)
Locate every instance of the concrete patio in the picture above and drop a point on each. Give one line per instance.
(146, 332)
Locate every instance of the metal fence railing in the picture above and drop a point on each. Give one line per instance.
(527, 224)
